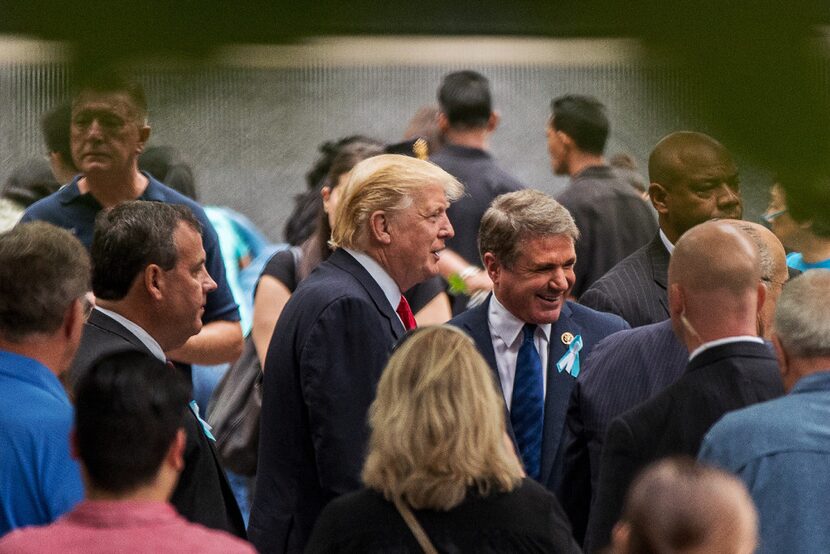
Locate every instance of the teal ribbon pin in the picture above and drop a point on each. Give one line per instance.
(570, 361)
(205, 426)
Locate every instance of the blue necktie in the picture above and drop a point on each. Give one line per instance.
(527, 407)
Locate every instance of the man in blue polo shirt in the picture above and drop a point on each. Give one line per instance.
(108, 131)
(44, 276)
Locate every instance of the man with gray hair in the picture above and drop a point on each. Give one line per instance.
(530, 334)
(44, 277)
(781, 448)
(334, 337)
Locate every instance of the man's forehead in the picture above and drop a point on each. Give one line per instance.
(103, 101)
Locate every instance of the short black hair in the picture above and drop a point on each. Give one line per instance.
(166, 164)
(128, 408)
(131, 236)
(464, 97)
(108, 82)
(29, 182)
(582, 118)
(54, 125)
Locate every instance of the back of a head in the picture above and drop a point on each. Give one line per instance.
(802, 319)
(54, 125)
(713, 257)
(676, 152)
(129, 407)
(583, 118)
(131, 236)
(386, 182)
(30, 181)
(43, 270)
(464, 97)
(677, 506)
(165, 163)
(438, 423)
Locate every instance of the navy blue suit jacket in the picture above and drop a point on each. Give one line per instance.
(623, 370)
(578, 320)
(719, 380)
(326, 356)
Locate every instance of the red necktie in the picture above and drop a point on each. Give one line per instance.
(405, 312)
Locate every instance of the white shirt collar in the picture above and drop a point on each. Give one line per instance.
(139, 333)
(718, 342)
(507, 326)
(666, 242)
(385, 282)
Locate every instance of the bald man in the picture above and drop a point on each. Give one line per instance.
(693, 180)
(715, 294)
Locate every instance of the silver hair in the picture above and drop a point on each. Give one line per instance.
(802, 318)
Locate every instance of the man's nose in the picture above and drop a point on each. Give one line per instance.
(558, 279)
(728, 196)
(446, 231)
(209, 284)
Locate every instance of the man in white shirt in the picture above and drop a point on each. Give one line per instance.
(151, 285)
(334, 337)
(534, 339)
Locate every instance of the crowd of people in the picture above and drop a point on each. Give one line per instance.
(445, 359)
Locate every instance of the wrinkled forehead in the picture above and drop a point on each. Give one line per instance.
(115, 102)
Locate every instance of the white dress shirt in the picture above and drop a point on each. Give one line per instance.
(666, 242)
(506, 334)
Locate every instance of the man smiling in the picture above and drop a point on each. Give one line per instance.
(334, 337)
(526, 241)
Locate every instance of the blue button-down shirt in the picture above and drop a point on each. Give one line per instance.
(781, 450)
(39, 480)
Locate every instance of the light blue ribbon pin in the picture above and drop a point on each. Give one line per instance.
(205, 426)
(570, 361)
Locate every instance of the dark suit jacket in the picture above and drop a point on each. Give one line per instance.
(625, 369)
(328, 350)
(202, 494)
(635, 289)
(613, 221)
(717, 381)
(576, 319)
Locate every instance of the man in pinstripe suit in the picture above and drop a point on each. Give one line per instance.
(693, 179)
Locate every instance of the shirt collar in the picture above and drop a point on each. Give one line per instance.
(142, 335)
(666, 242)
(390, 289)
(719, 342)
(815, 382)
(72, 192)
(24, 368)
(507, 326)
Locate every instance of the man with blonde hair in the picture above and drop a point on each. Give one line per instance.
(530, 334)
(334, 337)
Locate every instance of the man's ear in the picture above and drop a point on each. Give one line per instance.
(659, 197)
(143, 137)
(762, 296)
(443, 122)
(175, 454)
(493, 267)
(493, 121)
(154, 281)
(73, 320)
(677, 304)
(781, 354)
(379, 227)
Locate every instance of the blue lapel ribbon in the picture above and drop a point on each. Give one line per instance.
(205, 426)
(570, 361)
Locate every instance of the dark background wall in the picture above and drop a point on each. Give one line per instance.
(252, 132)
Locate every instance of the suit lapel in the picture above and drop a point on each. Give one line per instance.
(558, 393)
(659, 258)
(343, 260)
(477, 326)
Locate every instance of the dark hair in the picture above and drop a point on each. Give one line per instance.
(128, 408)
(43, 270)
(302, 222)
(582, 118)
(464, 97)
(30, 181)
(108, 82)
(131, 236)
(54, 125)
(166, 164)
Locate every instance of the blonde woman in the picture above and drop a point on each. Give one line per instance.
(439, 456)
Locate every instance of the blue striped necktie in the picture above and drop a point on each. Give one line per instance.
(527, 407)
